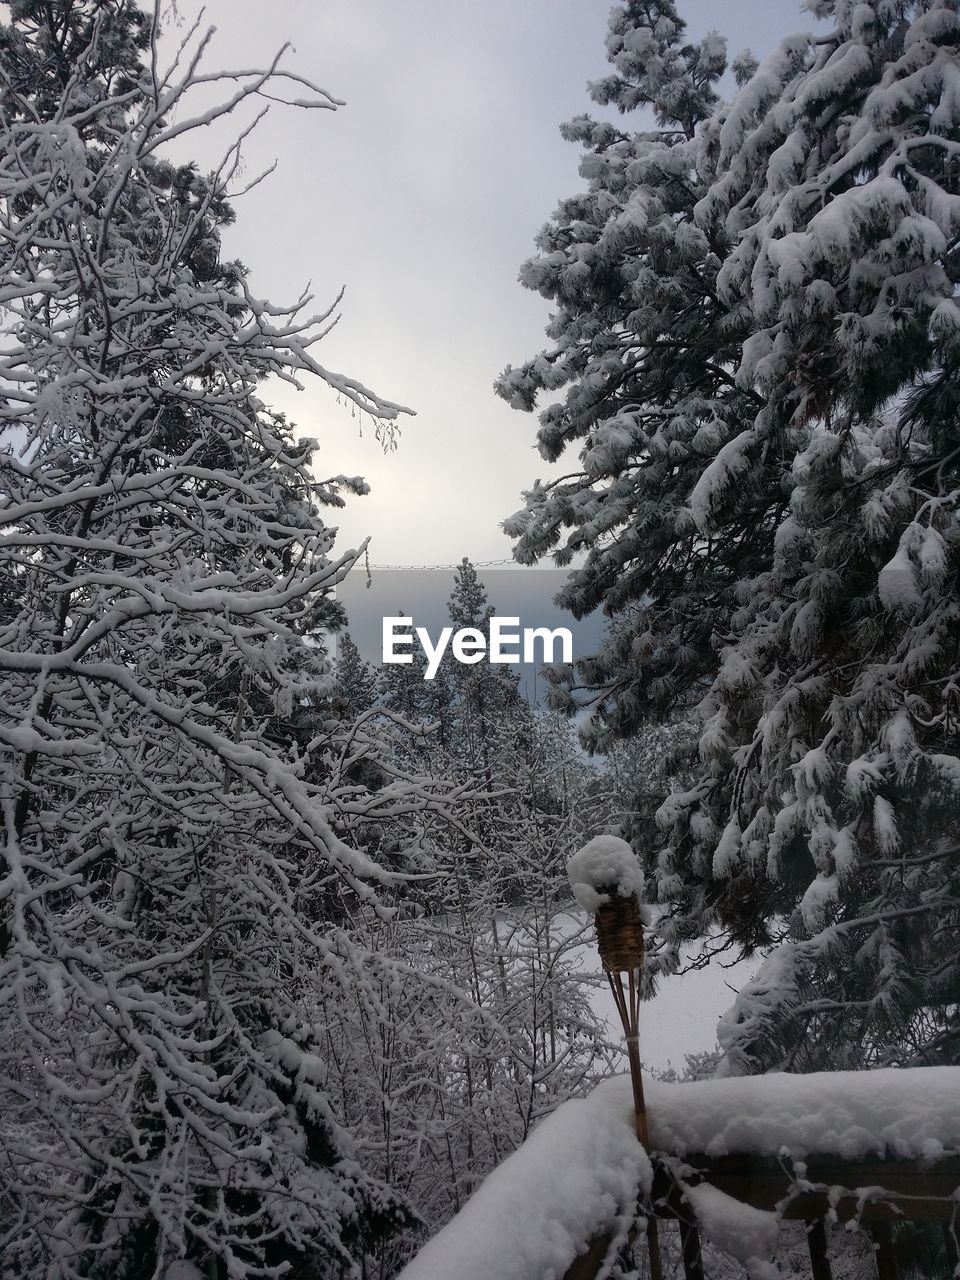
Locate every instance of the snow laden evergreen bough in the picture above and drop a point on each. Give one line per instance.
(174, 866)
(755, 328)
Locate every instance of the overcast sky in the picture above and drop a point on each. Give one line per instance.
(422, 195)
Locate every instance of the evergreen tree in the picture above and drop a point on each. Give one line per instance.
(756, 327)
(644, 345)
(837, 758)
(492, 718)
(403, 690)
(356, 681)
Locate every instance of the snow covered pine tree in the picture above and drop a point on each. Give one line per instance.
(756, 320)
(439, 1089)
(166, 862)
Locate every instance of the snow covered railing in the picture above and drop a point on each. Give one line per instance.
(731, 1158)
(579, 1173)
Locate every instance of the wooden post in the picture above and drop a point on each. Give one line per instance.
(672, 1203)
(653, 1248)
(690, 1245)
(817, 1243)
(953, 1253)
(883, 1248)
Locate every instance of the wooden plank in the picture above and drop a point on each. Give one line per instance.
(883, 1245)
(949, 1230)
(922, 1195)
(817, 1244)
(690, 1247)
(653, 1249)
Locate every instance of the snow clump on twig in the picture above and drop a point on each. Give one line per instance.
(604, 866)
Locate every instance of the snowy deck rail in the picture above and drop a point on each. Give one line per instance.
(730, 1157)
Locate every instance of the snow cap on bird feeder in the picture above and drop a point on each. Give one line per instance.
(607, 879)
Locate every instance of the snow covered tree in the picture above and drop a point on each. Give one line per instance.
(492, 718)
(477, 724)
(644, 346)
(756, 328)
(441, 1078)
(640, 772)
(835, 719)
(356, 681)
(173, 869)
(442, 1064)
